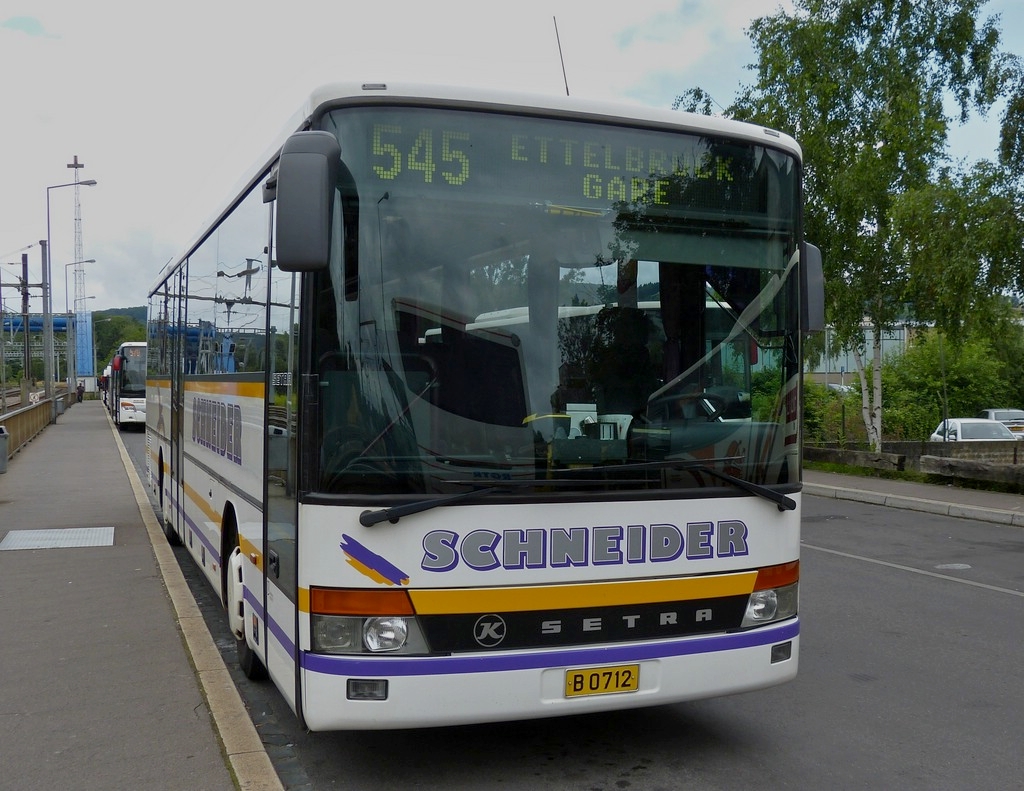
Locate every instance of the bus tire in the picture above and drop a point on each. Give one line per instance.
(172, 537)
(249, 663)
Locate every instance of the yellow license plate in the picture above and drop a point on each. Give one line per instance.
(602, 680)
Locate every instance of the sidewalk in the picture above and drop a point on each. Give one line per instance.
(110, 678)
(931, 498)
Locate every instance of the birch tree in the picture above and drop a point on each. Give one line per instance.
(864, 86)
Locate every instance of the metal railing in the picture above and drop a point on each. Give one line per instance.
(24, 424)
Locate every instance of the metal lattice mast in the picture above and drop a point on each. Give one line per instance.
(83, 337)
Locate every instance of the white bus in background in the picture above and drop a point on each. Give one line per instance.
(436, 403)
(126, 385)
(105, 386)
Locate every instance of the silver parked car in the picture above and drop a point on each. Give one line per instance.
(971, 429)
(1012, 418)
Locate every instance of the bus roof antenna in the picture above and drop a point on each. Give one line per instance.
(560, 58)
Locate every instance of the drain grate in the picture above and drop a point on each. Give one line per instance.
(60, 538)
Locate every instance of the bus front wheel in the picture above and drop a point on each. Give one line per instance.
(248, 661)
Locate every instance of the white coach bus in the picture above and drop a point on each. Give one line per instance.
(126, 396)
(440, 407)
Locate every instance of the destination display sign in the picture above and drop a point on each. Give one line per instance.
(570, 163)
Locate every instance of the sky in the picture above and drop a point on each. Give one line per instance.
(167, 105)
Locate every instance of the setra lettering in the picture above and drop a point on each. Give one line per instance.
(665, 619)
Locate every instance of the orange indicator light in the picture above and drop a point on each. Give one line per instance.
(777, 576)
(355, 601)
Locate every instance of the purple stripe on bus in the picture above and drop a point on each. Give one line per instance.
(608, 654)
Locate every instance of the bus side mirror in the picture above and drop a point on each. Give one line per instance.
(116, 363)
(307, 175)
(812, 290)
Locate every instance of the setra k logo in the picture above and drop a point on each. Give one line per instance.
(489, 630)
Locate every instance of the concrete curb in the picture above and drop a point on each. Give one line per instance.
(979, 513)
(247, 758)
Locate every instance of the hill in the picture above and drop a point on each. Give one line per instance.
(138, 314)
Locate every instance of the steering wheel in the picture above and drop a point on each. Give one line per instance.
(340, 447)
(670, 408)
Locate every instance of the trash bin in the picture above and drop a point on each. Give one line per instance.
(60, 405)
(4, 441)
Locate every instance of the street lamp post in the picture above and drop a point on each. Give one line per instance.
(47, 306)
(73, 263)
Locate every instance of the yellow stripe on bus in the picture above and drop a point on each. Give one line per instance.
(253, 551)
(451, 601)
(556, 597)
(249, 389)
(208, 510)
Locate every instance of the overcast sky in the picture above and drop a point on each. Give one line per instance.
(167, 104)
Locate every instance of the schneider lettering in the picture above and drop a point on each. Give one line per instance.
(605, 545)
(218, 427)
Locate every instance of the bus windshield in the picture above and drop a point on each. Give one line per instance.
(554, 307)
(133, 371)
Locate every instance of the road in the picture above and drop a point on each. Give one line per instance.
(909, 676)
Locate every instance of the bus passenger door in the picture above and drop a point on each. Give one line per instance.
(178, 341)
(281, 477)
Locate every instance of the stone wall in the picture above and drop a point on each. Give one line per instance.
(998, 462)
(856, 458)
(996, 452)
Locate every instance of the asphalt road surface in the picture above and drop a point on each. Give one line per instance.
(911, 648)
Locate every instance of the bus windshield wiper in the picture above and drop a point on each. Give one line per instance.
(704, 465)
(396, 512)
(782, 501)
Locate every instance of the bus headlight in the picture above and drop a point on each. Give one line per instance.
(345, 634)
(771, 604)
(385, 634)
(336, 635)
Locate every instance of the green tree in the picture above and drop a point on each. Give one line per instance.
(934, 379)
(110, 331)
(825, 418)
(1011, 139)
(962, 237)
(1007, 336)
(862, 84)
